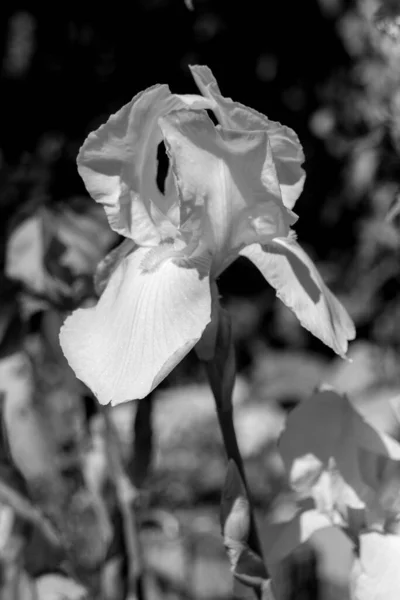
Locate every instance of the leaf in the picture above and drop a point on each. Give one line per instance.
(376, 574)
(383, 475)
(31, 448)
(328, 427)
(85, 235)
(250, 569)
(55, 485)
(57, 587)
(55, 251)
(282, 538)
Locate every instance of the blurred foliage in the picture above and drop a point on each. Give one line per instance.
(329, 69)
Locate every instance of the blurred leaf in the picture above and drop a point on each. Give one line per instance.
(57, 587)
(282, 538)
(383, 475)
(329, 428)
(25, 252)
(37, 437)
(376, 574)
(85, 234)
(86, 527)
(55, 251)
(31, 450)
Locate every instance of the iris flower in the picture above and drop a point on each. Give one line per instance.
(229, 192)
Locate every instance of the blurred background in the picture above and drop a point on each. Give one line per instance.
(330, 70)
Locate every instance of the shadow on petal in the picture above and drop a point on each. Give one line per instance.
(301, 271)
(299, 285)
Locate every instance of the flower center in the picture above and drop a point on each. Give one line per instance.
(156, 256)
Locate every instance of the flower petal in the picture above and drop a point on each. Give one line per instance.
(298, 284)
(286, 148)
(118, 164)
(110, 262)
(227, 182)
(150, 315)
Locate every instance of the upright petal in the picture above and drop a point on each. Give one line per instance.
(226, 180)
(286, 148)
(118, 164)
(298, 284)
(150, 315)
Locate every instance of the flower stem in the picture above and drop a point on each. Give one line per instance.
(221, 371)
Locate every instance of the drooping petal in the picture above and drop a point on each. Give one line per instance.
(150, 315)
(227, 182)
(298, 284)
(286, 148)
(118, 164)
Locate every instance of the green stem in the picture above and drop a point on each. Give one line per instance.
(221, 371)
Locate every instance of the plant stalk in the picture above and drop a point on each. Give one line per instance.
(221, 371)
